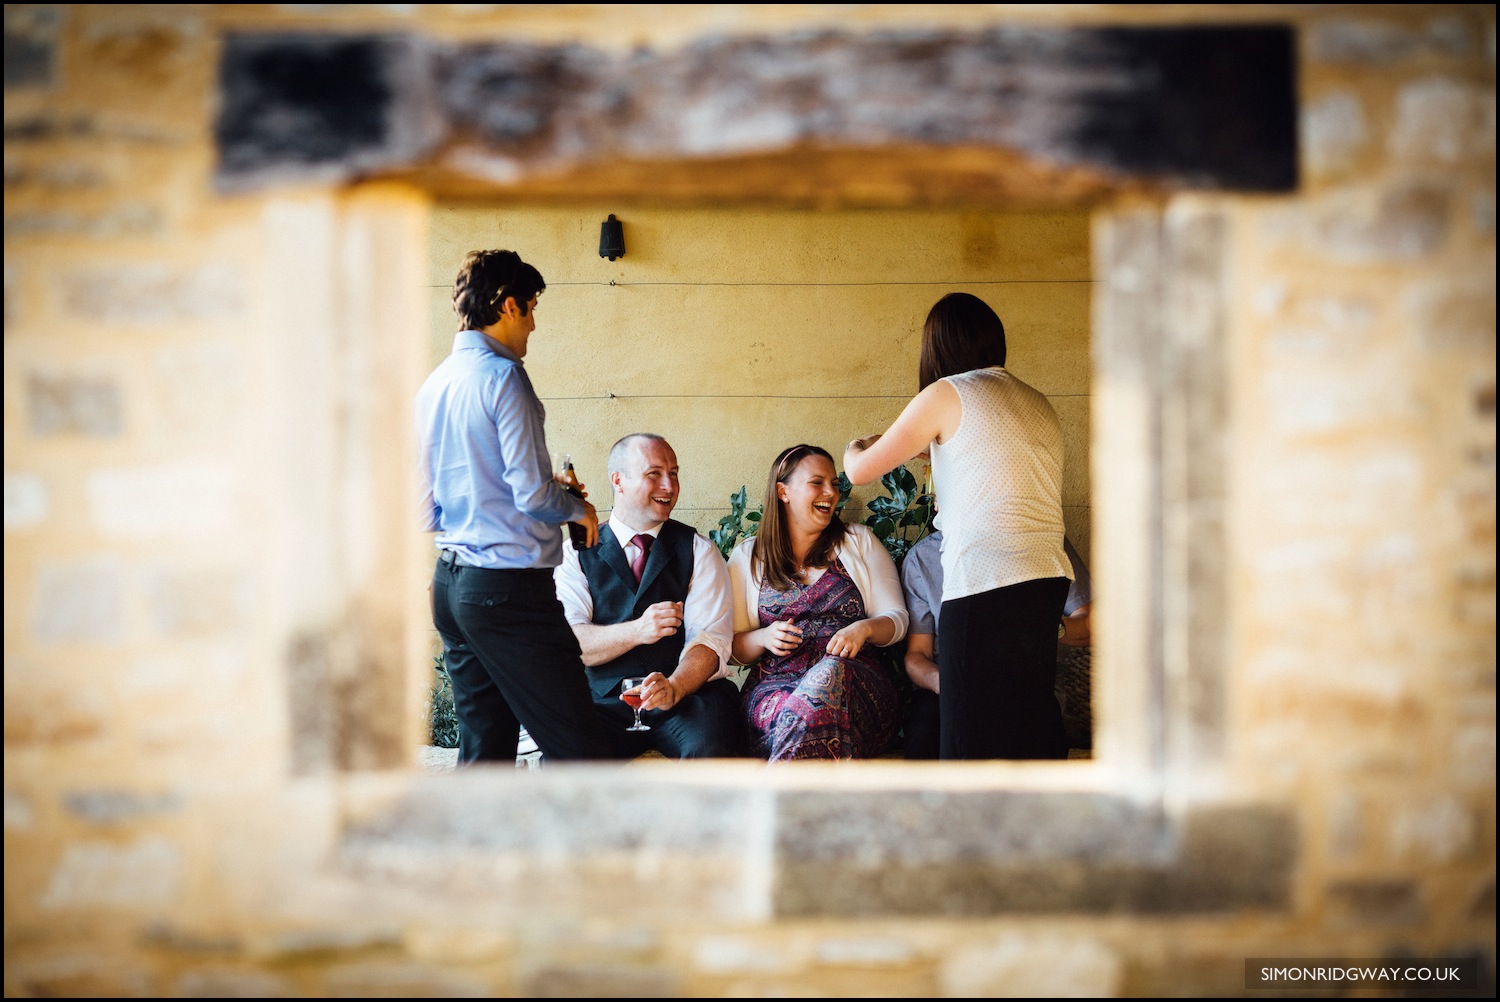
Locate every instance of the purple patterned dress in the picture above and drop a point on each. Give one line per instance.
(810, 704)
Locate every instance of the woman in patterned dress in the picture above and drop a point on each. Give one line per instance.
(815, 601)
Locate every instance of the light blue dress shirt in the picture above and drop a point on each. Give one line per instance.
(486, 474)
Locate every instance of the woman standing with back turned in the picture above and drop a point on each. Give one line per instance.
(997, 461)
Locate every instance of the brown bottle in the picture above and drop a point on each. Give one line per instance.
(579, 534)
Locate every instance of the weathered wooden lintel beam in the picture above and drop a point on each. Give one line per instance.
(1004, 110)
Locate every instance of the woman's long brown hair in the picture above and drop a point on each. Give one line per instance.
(772, 551)
(961, 334)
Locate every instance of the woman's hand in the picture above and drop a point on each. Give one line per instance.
(847, 642)
(781, 637)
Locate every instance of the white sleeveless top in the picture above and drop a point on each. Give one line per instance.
(999, 487)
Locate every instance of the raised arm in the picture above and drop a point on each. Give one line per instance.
(932, 416)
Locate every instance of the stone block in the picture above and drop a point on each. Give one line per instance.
(74, 405)
(1334, 132)
(144, 874)
(306, 945)
(27, 501)
(745, 955)
(1024, 965)
(152, 294)
(12, 290)
(479, 810)
(1346, 825)
(556, 981)
(197, 601)
(998, 853)
(864, 951)
(95, 973)
(1376, 902)
(1435, 829)
(110, 807)
(31, 45)
(1230, 858)
(1483, 906)
(1483, 397)
(19, 813)
(1453, 317)
(233, 983)
(1442, 120)
(188, 499)
(1368, 41)
(1402, 223)
(1340, 489)
(1482, 213)
(126, 219)
(51, 715)
(404, 981)
(81, 601)
(1474, 751)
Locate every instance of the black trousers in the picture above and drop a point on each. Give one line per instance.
(514, 661)
(706, 724)
(920, 738)
(997, 667)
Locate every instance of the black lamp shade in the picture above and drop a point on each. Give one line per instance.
(611, 238)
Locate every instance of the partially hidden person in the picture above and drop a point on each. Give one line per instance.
(922, 583)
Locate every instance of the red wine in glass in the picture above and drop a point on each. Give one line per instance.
(630, 692)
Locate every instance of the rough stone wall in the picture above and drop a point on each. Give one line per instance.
(204, 645)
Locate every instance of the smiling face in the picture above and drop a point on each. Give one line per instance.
(810, 493)
(646, 489)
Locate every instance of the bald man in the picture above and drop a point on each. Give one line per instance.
(651, 600)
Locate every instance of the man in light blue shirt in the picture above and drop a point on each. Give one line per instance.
(490, 495)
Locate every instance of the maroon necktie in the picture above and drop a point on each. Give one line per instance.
(643, 548)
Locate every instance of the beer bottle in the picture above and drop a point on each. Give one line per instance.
(577, 533)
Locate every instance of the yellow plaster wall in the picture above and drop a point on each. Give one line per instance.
(736, 333)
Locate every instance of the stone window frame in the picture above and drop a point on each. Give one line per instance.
(1143, 828)
(1146, 827)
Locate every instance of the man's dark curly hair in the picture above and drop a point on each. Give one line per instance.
(486, 279)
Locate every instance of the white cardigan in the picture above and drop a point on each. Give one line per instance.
(865, 558)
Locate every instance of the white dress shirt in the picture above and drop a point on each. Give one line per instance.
(706, 615)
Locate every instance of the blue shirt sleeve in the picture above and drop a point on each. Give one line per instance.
(519, 418)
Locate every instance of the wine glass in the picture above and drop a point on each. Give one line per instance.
(630, 691)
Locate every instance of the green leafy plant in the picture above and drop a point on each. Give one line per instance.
(740, 523)
(900, 517)
(441, 719)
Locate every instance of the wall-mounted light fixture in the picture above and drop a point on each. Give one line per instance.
(611, 238)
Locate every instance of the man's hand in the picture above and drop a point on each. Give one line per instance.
(661, 619)
(657, 692)
(571, 481)
(590, 523)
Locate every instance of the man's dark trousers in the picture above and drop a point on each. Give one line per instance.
(514, 661)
